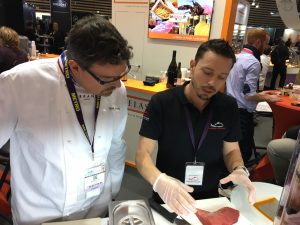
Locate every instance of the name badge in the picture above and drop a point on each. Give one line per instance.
(194, 173)
(94, 180)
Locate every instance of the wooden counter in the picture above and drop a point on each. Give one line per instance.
(48, 55)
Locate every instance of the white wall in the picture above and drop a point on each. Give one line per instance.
(154, 55)
(293, 34)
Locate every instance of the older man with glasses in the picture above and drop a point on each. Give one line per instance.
(65, 118)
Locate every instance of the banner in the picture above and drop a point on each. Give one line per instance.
(60, 13)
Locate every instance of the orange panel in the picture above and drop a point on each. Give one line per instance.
(229, 19)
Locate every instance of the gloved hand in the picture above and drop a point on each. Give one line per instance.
(175, 194)
(240, 177)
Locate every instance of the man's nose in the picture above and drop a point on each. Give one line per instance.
(116, 83)
(212, 81)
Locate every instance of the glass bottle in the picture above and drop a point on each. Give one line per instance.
(172, 71)
(179, 75)
(189, 29)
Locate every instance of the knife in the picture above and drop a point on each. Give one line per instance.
(171, 217)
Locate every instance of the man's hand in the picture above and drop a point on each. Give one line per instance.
(176, 194)
(270, 96)
(240, 177)
(273, 98)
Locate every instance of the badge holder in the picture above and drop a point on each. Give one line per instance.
(194, 173)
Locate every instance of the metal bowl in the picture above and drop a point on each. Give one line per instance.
(133, 212)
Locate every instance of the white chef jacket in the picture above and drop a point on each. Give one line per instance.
(49, 152)
(265, 62)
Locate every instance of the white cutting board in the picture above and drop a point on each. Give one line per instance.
(211, 205)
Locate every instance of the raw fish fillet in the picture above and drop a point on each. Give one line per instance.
(223, 216)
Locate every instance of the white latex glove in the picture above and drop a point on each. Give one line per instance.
(240, 177)
(175, 194)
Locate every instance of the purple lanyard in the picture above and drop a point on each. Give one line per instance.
(75, 100)
(191, 130)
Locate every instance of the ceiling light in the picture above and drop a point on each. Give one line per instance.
(253, 3)
(257, 6)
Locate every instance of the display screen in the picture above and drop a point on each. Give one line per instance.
(186, 20)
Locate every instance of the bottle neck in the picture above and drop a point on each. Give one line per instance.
(174, 56)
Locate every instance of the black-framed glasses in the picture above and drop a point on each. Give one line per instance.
(108, 80)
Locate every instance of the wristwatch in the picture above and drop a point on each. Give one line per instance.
(243, 168)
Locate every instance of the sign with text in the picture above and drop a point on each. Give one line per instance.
(62, 6)
(60, 13)
(137, 104)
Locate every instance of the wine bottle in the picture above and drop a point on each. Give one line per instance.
(179, 70)
(172, 71)
(178, 76)
(190, 25)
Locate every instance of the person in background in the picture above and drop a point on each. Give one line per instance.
(196, 129)
(297, 45)
(10, 52)
(242, 84)
(288, 43)
(58, 39)
(280, 152)
(265, 63)
(30, 31)
(65, 118)
(40, 27)
(38, 33)
(278, 57)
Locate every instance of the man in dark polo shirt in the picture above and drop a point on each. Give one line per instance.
(196, 129)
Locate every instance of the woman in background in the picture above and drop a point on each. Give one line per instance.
(10, 53)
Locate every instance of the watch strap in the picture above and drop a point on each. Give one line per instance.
(243, 168)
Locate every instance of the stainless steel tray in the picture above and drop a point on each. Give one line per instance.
(132, 212)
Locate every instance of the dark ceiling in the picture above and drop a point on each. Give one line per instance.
(261, 17)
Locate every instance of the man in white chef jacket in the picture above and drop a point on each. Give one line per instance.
(65, 119)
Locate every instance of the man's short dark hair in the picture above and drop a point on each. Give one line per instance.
(218, 46)
(94, 40)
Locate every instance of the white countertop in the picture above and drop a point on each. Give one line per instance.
(239, 198)
(238, 201)
(207, 204)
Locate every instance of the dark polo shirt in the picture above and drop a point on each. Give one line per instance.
(165, 121)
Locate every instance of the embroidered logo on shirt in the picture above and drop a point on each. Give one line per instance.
(146, 116)
(246, 89)
(217, 125)
(86, 96)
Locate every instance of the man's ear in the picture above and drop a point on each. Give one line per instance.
(75, 68)
(192, 65)
(257, 43)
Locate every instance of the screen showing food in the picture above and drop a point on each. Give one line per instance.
(187, 20)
